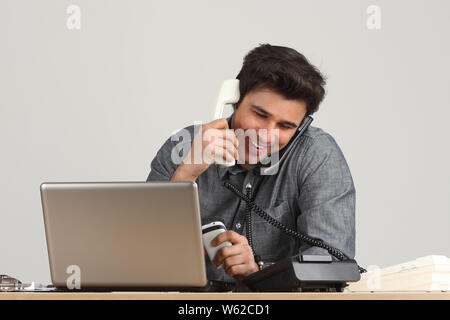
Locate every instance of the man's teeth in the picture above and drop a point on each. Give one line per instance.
(256, 145)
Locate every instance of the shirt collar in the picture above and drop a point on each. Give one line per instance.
(234, 170)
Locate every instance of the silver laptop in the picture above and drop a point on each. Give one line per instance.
(124, 234)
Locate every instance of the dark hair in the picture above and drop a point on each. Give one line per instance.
(284, 70)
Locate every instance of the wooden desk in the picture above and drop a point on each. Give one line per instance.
(224, 296)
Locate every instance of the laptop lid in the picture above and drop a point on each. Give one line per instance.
(124, 234)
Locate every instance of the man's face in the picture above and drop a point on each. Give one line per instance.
(267, 109)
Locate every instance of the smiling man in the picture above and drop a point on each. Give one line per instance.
(265, 110)
(311, 192)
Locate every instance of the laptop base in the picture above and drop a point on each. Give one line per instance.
(211, 286)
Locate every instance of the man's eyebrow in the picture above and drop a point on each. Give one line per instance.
(260, 109)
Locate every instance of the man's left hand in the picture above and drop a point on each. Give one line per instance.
(238, 258)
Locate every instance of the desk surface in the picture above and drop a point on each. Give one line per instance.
(223, 296)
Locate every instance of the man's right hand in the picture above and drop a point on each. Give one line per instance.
(215, 140)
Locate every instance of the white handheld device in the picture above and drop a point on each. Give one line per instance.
(210, 231)
(229, 94)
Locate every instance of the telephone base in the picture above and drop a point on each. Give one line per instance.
(304, 273)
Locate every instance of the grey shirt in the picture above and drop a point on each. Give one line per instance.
(312, 192)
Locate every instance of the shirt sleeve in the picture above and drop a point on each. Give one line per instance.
(161, 168)
(327, 197)
(169, 156)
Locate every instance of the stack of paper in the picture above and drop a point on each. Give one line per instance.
(430, 273)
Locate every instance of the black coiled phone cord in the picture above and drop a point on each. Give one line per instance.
(249, 233)
(248, 208)
(307, 239)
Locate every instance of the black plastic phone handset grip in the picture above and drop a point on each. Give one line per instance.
(302, 237)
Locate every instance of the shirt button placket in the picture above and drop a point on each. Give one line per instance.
(237, 223)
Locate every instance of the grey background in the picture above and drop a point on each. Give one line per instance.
(95, 104)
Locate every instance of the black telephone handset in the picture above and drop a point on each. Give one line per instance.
(273, 168)
(296, 137)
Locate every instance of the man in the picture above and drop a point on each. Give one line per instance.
(311, 192)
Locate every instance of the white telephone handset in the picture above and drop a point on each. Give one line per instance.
(229, 94)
